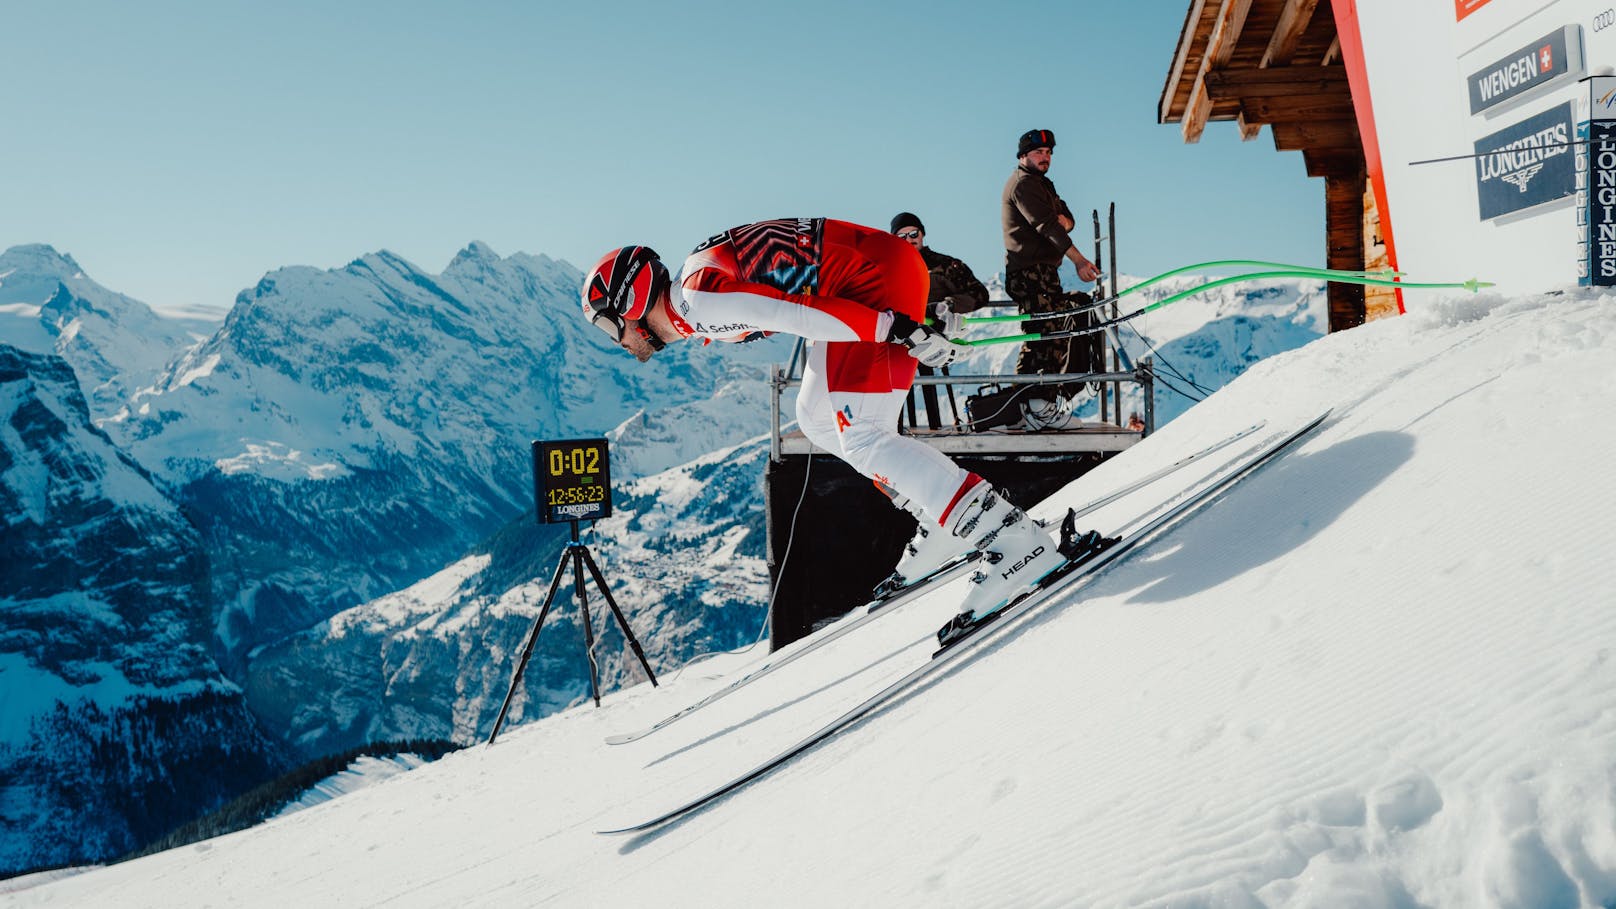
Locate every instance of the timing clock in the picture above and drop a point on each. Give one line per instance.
(572, 480)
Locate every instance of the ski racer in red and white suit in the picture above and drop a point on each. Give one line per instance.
(766, 277)
(858, 294)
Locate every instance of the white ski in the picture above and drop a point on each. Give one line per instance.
(988, 628)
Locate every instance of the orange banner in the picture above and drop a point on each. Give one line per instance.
(1463, 8)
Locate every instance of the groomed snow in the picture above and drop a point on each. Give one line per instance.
(1380, 673)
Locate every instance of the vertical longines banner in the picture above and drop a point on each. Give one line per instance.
(1596, 215)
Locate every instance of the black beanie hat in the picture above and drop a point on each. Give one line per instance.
(1034, 138)
(905, 219)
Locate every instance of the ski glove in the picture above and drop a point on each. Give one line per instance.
(926, 344)
(951, 322)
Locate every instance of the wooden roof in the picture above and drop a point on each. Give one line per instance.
(1274, 62)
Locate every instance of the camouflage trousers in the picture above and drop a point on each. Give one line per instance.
(1037, 289)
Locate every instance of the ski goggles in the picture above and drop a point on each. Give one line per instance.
(606, 319)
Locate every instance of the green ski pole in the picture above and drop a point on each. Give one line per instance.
(1324, 273)
(1473, 285)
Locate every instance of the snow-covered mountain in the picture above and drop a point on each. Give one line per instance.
(342, 434)
(1377, 674)
(116, 344)
(683, 554)
(115, 722)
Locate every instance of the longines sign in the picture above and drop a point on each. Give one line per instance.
(1596, 213)
(1549, 60)
(1527, 164)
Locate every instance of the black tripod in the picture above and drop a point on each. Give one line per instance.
(578, 554)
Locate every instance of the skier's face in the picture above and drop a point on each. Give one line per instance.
(912, 236)
(1038, 159)
(635, 340)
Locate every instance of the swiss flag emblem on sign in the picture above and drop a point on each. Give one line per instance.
(1545, 58)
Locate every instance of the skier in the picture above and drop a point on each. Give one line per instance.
(858, 295)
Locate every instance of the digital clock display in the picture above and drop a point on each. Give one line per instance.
(572, 480)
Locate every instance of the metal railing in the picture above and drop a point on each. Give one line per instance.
(785, 377)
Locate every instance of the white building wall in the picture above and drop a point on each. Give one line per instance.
(1418, 57)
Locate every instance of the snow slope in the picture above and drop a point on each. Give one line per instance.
(1378, 673)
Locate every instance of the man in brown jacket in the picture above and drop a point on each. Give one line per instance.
(1036, 238)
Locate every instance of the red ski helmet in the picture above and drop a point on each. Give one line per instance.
(623, 285)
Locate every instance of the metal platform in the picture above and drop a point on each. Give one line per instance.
(1086, 437)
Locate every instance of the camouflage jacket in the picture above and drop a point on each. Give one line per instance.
(952, 278)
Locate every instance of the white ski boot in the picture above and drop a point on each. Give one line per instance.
(930, 549)
(1017, 551)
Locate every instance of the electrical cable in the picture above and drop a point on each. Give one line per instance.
(768, 612)
(1170, 369)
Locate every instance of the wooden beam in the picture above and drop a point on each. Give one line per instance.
(1186, 39)
(1333, 162)
(1286, 80)
(1293, 21)
(1249, 129)
(1299, 136)
(1343, 217)
(1297, 109)
(1332, 56)
(1219, 48)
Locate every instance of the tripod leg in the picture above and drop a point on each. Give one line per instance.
(589, 626)
(633, 642)
(527, 649)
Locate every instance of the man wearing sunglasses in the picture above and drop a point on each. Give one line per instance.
(858, 295)
(954, 290)
(1037, 238)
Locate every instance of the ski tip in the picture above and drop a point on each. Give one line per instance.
(622, 738)
(642, 826)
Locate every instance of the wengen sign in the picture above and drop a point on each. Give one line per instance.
(1545, 61)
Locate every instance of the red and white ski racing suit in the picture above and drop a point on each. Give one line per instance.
(832, 283)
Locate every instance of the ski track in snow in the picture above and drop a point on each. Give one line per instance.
(1378, 673)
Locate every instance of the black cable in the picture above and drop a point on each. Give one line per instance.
(1176, 390)
(1169, 368)
(768, 612)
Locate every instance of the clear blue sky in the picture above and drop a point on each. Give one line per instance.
(180, 150)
